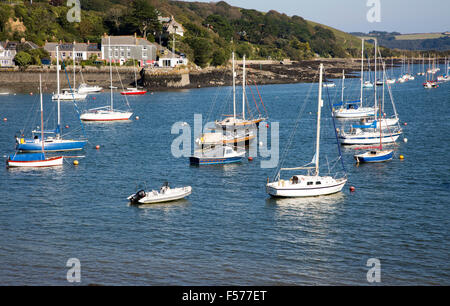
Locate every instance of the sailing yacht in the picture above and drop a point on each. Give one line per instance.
(234, 130)
(69, 94)
(53, 142)
(368, 134)
(355, 110)
(377, 154)
(106, 113)
(311, 184)
(133, 91)
(234, 122)
(32, 160)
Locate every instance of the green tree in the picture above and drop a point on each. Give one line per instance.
(219, 58)
(143, 18)
(23, 59)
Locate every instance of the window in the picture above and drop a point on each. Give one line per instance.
(310, 183)
(318, 183)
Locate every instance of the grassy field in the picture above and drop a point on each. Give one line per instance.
(419, 36)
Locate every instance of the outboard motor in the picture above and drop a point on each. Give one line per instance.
(138, 196)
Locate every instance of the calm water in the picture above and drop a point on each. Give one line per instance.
(228, 232)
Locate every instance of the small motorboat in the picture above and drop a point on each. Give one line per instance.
(329, 85)
(85, 89)
(368, 84)
(165, 194)
(69, 96)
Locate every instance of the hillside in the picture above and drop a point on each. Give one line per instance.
(412, 42)
(212, 29)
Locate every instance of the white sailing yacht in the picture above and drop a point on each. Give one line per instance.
(311, 184)
(70, 94)
(368, 134)
(355, 110)
(106, 113)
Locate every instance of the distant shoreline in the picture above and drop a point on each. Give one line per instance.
(160, 79)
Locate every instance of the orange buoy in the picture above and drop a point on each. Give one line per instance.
(31, 93)
(405, 124)
(137, 117)
(250, 158)
(5, 119)
(401, 157)
(97, 147)
(352, 189)
(67, 126)
(94, 98)
(267, 125)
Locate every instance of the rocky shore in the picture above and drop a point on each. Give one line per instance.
(260, 72)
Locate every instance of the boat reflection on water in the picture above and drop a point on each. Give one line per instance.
(165, 207)
(320, 203)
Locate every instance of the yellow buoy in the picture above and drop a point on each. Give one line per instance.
(75, 162)
(402, 157)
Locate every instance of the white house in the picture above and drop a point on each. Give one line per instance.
(7, 53)
(124, 48)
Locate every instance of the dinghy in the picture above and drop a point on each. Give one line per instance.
(165, 194)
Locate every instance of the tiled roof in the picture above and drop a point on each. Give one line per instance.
(125, 40)
(70, 46)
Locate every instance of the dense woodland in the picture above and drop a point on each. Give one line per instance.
(213, 30)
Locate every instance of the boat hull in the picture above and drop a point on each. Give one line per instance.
(379, 157)
(214, 160)
(354, 113)
(105, 116)
(368, 140)
(49, 162)
(69, 97)
(133, 93)
(291, 191)
(54, 146)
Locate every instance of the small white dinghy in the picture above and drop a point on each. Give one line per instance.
(166, 194)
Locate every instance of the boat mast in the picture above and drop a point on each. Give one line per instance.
(110, 72)
(243, 90)
(74, 81)
(319, 107)
(375, 84)
(59, 94)
(362, 72)
(343, 84)
(234, 89)
(42, 113)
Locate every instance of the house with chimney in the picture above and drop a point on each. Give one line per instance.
(123, 48)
